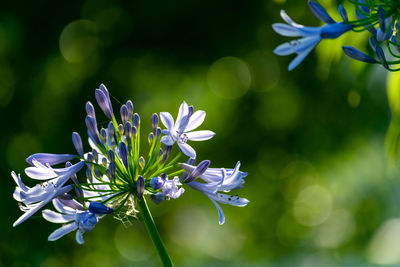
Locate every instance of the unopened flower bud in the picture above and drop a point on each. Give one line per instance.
(158, 132)
(198, 171)
(134, 132)
(99, 208)
(128, 130)
(123, 154)
(154, 122)
(113, 145)
(77, 141)
(150, 138)
(191, 161)
(111, 171)
(104, 162)
(136, 120)
(89, 174)
(140, 186)
(103, 135)
(160, 153)
(157, 197)
(103, 99)
(141, 162)
(124, 113)
(111, 155)
(111, 129)
(91, 125)
(95, 155)
(89, 157)
(121, 129)
(129, 105)
(90, 110)
(96, 172)
(167, 151)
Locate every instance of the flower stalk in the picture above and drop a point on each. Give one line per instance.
(153, 232)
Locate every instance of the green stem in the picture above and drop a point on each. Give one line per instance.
(153, 232)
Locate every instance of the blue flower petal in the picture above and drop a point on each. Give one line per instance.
(381, 18)
(51, 159)
(363, 6)
(320, 12)
(286, 30)
(99, 208)
(343, 13)
(358, 55)
(381, 56)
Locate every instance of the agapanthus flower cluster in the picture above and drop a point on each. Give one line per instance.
(380, 18)
(117, 173)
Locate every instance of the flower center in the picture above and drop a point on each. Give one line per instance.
(182, 137)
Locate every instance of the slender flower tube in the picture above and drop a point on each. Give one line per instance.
(311, 36)
(217, 180)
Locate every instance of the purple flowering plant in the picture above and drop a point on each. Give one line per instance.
(118, 177)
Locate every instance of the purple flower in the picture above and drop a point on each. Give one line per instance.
(216, 180)
(181, 130)
(169, 188)
(35, 198)
(74, 217)
(311, 36)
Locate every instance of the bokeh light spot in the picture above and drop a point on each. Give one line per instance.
(312, 206)
(280, 109)
(337, 229)
(384, 248)
(131, 242)
(229, 77)
(297, 175)
(353, 98)
(199, 231)
(78, 40)
(264, 69)
(289, 232)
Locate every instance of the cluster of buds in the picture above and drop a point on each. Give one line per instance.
(381, 19)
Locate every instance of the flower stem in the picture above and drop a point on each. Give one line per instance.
(153, 232)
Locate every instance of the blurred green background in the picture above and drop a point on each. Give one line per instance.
(313, 140)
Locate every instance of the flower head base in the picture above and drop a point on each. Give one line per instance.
(118, 173)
